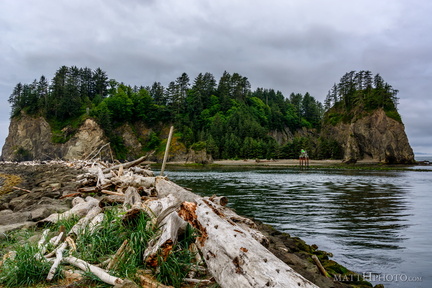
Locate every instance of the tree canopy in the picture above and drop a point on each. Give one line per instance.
(230, 119)
(359, 92)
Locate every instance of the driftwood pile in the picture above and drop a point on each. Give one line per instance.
(233, 250)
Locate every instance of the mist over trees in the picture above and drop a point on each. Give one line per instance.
(226, 117)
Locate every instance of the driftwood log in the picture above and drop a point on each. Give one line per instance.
(80, 210)
(231, 251)
(99, 272)
(230, 245)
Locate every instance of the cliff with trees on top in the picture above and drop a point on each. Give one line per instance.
(80, 110)
(362, 117)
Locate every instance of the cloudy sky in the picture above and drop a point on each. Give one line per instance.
(288, 45)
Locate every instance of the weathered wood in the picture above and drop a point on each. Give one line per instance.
(129, 164)
(83, 222)
(71, 243)
(319, 265)
(59, 257)
(95, 221)
(246, 223)
(42, 246)
(56, 240)
(220, 200)
(144, 172)
(165, 187)
(132, 198)
(21, 189)
(93, 189)
(129, 179)
(71, 195)
(111, 200)
(171, 227)
(198, 281)
(100, 176)
(112, 193)
(168, 144)
(233, 256)
(81, 209)
(99, 272)
(77, 200)
(113, 262)
(148, 282)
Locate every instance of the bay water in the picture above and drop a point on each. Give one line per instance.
(376, 223)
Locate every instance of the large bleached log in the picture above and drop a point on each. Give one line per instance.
(171, 227)
(134, 180)
(144, 172)
(161, 208)
(99, 272)
(165, 187)
(165, 217)
(233, 256)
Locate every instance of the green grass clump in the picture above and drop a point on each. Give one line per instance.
(95, 245)
(102, 240)
(138, 234)
(25, 269)
(177, 265)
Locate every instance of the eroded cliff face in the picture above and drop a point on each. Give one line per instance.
(375, 137)
(30, 138)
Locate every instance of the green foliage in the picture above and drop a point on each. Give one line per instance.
(223, 115)
(138, 234)
(67, 223)
(104, 239)
(153, 141)
(22, 154)
(63, 130)
(199, 146)
(329, 149)
(359, 92)
(176, 266)
(394, 115)
(25, 269)
(118, 146)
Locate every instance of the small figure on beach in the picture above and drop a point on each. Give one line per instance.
(304, 158)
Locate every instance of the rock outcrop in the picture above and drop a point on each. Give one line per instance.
(30, 138)
(376, 137)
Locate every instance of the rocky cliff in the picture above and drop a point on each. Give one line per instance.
(375, 137)
(30, 138)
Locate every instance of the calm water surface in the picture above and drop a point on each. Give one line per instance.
(378, 223)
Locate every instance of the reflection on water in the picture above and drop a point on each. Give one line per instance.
(362, 217)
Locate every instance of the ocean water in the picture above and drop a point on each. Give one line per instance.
(376, 223)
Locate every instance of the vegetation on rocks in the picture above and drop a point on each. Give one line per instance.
(358, 94)
(225, 119)
(227, 116)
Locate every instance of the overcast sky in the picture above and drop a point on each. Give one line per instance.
(292, 46)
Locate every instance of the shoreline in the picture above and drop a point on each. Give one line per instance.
(292, 250)
(294, 164)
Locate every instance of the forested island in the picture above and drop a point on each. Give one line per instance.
(226, 118)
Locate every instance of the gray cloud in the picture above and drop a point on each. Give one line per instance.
(291, 46)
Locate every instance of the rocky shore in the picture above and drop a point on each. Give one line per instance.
(29, 193)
